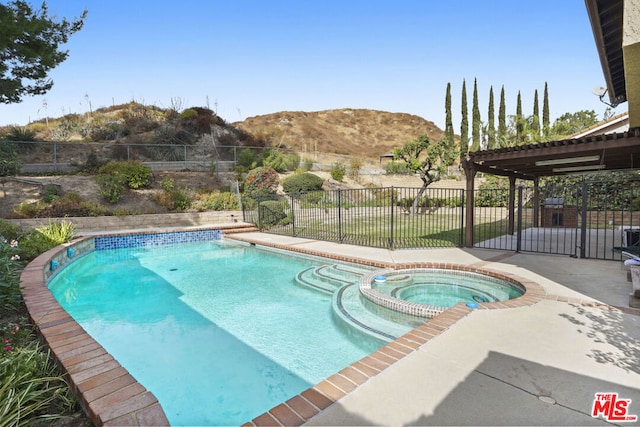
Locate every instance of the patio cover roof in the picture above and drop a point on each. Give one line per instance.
(617, 151)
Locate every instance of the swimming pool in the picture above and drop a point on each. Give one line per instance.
(220, 332)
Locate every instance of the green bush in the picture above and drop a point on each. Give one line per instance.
(33, 391)
(271, 212)
(275, 160)
(111, 186)
(58, 232)
(9, 231)
(9, 163)
(337, 171)
(10, 296)
(135, 173)
(261, 182)
(398, 168)
(247, 158)
(302, 183)
(50, 193)
(93, 163)
(36, 241)
(216, 201)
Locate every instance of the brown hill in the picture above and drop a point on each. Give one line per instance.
(352, 132)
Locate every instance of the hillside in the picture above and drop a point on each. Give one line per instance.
(351, 132)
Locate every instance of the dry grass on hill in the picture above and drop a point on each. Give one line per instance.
(353, 132)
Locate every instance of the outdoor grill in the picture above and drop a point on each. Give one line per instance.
(556, 213)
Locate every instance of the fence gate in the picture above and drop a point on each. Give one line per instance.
(586, 220)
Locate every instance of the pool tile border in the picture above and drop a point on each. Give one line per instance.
(111, 396)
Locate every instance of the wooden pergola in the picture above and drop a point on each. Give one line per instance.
(617, 151)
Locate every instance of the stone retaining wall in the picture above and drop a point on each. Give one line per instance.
(134, 222)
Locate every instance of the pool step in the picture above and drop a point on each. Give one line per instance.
(329, 278)
(362, 316)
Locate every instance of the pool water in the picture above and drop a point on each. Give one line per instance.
(218, 331)
(446, 288)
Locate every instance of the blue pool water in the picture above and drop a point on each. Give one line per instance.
(446, 288)
(219, 332)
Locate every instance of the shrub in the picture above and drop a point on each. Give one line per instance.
(291, 161)
(111, 186)
(32, 386)
(20, 134)
(51, 193)
(135, 173)
(399, 168)
(354, 169)
(9, 231)
(173, 198)
(93, 163)
(58, 232)
(216, 201)
(247, 158)
(71, 204)
(10, 296)
(27, 210)
(274, 160)
(337, 171)
(271, 212)
(39, 240)
(302, 183)
(261, 182)
(9, 163)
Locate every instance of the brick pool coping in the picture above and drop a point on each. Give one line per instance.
(110, 396)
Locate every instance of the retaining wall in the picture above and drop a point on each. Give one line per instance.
(135, 222)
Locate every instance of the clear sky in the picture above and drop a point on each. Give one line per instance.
(243, 58)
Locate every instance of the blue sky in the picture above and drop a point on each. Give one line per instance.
(244, 58)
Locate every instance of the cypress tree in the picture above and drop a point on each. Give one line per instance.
(475, 119)
(448, 126)
(491, 128)
(545, 111)
(464, 124)
(519, 121)
(502, 121)
(535, 125)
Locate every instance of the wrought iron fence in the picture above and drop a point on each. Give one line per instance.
(587, 220)
(377, 217)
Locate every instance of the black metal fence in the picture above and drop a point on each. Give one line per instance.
(588, 220)
(377, 217)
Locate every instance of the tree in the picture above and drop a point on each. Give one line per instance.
(475, 119)
(535, 123)
(30, 48)
(570, 123)
(545, 111)
(491, 128)
(464, 124)
(448, 125)
(519, 121)
(502, 121)
(429, 160)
